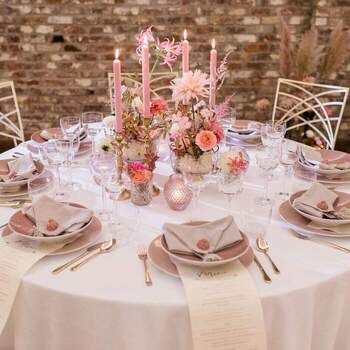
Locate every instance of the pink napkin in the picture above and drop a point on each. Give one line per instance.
(205, 239)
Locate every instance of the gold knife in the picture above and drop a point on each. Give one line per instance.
(79, 257)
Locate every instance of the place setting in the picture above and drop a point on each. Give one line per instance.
(329, 167)
(317, 213)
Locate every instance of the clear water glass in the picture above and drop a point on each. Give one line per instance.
(93, 124)
(42, 185)
(267, 159)
(55, 158)
(288, 157)
(255, 217)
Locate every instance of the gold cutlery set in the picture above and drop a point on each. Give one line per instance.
(102, 248)
(263, 246)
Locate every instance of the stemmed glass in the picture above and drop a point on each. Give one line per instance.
(93, 124)
(272, 134)
(103, 168)
(55, 157)
(288, 157)
(71, 129)
(267, 159)
(196, 182)
(228, 120)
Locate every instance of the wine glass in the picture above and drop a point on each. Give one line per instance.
(93, 124)
(267, 159)
(71, 129)
(103, 168)
(272, 134)
(228, 120)
(288, 157)
(55, 157)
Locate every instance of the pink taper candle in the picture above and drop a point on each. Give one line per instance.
(213, 59)
(118, 106)
(185, 54)
(145, 79)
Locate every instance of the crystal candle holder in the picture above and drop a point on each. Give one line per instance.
(176, 193)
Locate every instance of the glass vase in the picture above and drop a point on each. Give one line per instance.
(141, 194)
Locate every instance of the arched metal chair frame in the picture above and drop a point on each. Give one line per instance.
(156, 83)
(312, 103)
(11, 129)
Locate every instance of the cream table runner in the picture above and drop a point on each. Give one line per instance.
(16, 257)
(224, 307)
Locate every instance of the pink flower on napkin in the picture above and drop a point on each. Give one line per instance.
(203, 244)
(322, 205)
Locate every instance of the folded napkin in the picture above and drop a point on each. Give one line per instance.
(19, 169)
(53, 218)
(202, 240)
(339, 229)
(319, 201)
(341, 163)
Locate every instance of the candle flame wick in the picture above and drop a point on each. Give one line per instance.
(185, 34)
(117, 53)
(213, 44)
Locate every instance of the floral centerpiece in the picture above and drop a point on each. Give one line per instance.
(139, 134)
(196, 131)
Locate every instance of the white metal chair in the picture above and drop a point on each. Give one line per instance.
(160, 83)
(296, 98)
(10, 117)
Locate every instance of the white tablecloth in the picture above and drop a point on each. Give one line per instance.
(106, 304)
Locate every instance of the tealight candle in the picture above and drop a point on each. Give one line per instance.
(176, 193)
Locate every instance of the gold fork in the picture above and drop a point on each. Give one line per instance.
(142, 254)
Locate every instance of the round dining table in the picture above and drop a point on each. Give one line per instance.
(106, 305)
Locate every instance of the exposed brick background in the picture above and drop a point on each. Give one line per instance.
(59, 52)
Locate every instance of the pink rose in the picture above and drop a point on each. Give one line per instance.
(206, 140)
(218, 130)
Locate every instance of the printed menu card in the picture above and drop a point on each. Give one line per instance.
(224, 307)
(16, 257)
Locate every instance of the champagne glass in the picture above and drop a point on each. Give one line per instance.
(93, 124)
(103, 168)
(55, 157)
(71, 129)
(267, 159)
(288, 157)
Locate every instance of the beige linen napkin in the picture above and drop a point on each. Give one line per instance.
(204, 239)
(339, 229)
(19, 169)
(318, 200)
(52, 218)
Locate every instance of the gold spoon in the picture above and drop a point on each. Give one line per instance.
(263, 246)
(106, 247)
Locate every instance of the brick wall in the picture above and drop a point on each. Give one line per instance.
(58, 52)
